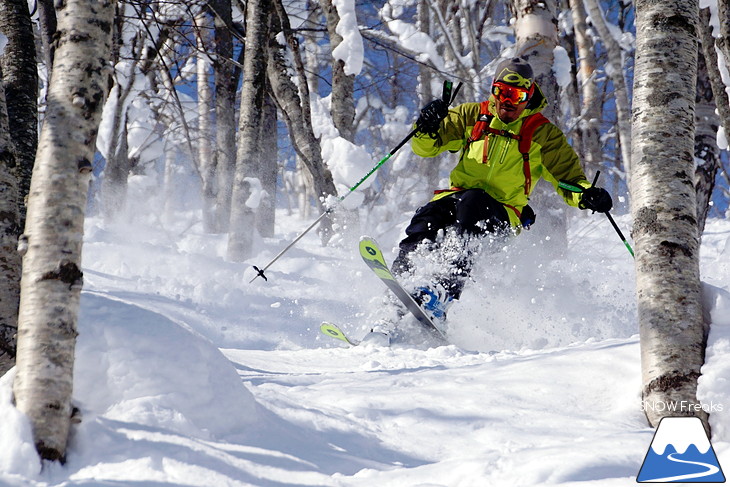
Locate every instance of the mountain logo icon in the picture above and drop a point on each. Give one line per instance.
(681, 452)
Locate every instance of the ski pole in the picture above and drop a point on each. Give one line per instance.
(260, 272)
(447, 96)
(577, 189)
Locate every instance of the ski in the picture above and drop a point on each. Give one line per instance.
(333, 331)
(373, 257)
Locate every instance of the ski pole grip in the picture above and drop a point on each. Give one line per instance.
(570, 187)
(574, 188)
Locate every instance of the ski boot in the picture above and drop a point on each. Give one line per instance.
(378, 336)
(435, 301)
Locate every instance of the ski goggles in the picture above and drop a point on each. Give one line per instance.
(505, 92)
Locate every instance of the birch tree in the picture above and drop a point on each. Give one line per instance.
(297, 115)
(116, 152)
(47, 28)
(205, 120)
(52, 277)
(615, 70)
(723, 40)
(343, 79)
(269, 168)
(589, 118)
(20, 77)
(243, 216)
(225, 84)
(707, 153)
(9, 231)
(663, 206)
(536, 33)
(716, 98)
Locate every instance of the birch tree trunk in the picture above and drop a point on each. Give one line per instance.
(615, 71)
(52, 277)
(709, 44)
(590, 116)
(706, 172)
(707, 153)
(225, 112)
(47, 21)
(295, 111)
(343, 85)
(269, 168)
(664, 207)
(243, 216)
(536, 30)
(723, 41)
(205, 104)
(114, 181)
(9, 231)
(20, 77)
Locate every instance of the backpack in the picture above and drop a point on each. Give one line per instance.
(524, 138)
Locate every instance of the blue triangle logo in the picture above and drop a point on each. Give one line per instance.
(680, 452)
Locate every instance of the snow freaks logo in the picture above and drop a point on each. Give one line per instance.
(680, 452)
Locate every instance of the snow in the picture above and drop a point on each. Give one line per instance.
(561, 66)
(188, 375)
(351, 50)
(410, 38)
(257, 193)
(348, 162)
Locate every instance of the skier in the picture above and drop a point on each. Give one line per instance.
(491, 183)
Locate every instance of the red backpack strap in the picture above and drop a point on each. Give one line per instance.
(482, 123)
(529, 125)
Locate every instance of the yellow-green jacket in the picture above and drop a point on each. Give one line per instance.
(503, 176)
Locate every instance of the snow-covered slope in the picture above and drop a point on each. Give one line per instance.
(189, 375)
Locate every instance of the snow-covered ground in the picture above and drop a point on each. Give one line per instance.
(186, 374)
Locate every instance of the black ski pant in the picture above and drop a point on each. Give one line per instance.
(471, 212)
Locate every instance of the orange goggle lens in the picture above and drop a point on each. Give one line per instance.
(506, 92)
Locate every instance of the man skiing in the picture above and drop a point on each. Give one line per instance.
(505, 146)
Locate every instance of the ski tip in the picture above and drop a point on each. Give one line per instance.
(333, 331)
(369, 248)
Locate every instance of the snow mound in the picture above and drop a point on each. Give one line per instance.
(137, 366)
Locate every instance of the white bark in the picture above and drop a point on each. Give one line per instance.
(710, 48)
(664, 206)
(205, 103)
(243, 217)
(343, 104)
(269, 168)
(52, 278)
(225, 111)
(616, 72)
(297, 115)
(590, 116)
(712, 106)
(723, 41)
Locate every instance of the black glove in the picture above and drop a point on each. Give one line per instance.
(431, 116)
(596, 199)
